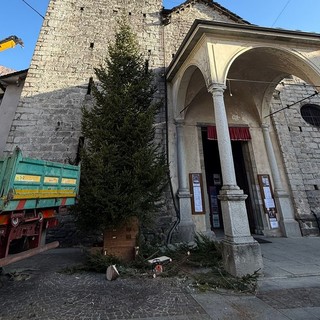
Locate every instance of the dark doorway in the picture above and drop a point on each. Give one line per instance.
(214, 179)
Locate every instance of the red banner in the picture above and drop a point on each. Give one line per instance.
(236, 133)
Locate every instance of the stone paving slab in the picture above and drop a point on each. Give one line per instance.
(295, 303)
(303, 270)
(275, 271)
(292, 298)
(299, 314)
(237, 307)
(314, 311)
(274, 284)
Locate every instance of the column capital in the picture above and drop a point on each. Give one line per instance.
(216, 88)
(179, 122)
(265, 126)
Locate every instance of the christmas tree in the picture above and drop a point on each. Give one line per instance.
(123, 170)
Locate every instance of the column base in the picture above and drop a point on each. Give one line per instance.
(242, 259)
(235, 218)
(185, 230)
(273, 233)
(289, 227)
(241, 253)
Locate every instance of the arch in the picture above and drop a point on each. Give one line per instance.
(231, 61)
(266, 100)
(182, 88)
(305, 62)
(278, 63)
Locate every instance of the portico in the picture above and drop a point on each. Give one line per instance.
(224, 75)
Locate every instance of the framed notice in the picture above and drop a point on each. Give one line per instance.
(268, 200)
(196, 190)
(215, 219)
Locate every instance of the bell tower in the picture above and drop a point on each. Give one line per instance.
(73, 41)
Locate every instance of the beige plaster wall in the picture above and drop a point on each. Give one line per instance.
(8, 107)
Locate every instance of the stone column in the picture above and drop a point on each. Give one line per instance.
(289, 226)
(186, 227)
(241, 253)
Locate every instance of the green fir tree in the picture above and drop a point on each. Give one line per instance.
(123, 171)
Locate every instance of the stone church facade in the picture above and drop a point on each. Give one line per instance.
(241, 113)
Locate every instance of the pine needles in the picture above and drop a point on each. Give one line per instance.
(199, 265)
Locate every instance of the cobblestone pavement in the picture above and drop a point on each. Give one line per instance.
(44, 293)
(36, 289)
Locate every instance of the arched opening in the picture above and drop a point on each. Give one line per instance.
(256, 82)
(192, 87)
(254, 75)
(268, 86)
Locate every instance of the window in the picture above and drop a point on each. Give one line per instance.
(311, 114)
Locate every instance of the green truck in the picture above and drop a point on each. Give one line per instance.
(32, 192)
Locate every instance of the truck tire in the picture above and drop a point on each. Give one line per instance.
(19, 245)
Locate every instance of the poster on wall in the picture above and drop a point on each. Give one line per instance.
(196, 191)
(214, 207)
(268, 200)
(217, 179)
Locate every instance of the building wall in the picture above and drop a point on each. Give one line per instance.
(8, 107)
(300, 149)
(181, 19)
(74, 40)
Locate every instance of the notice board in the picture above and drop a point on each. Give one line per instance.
(268, 200)
(196, 190)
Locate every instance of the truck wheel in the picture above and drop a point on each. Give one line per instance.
(43, 237)
(19, 245)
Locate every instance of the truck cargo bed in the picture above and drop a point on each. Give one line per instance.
(29, 183)
(32, 191)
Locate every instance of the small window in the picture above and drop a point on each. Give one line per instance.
(311, 114)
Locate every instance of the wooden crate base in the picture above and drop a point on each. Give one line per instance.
(121, 241)
(124, 253)
(95, 250)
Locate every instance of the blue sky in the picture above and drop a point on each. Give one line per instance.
(19, 19)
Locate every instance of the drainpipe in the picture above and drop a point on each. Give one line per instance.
(173, 196)
(176, 208)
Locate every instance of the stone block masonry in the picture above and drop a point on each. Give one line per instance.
(299, 144)
(73, 41)
(181, 21)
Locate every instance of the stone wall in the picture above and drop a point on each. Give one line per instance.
(179, 21)
(300, 146)
(72, 42)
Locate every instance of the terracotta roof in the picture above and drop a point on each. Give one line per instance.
(213, 4)
(5, 70)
